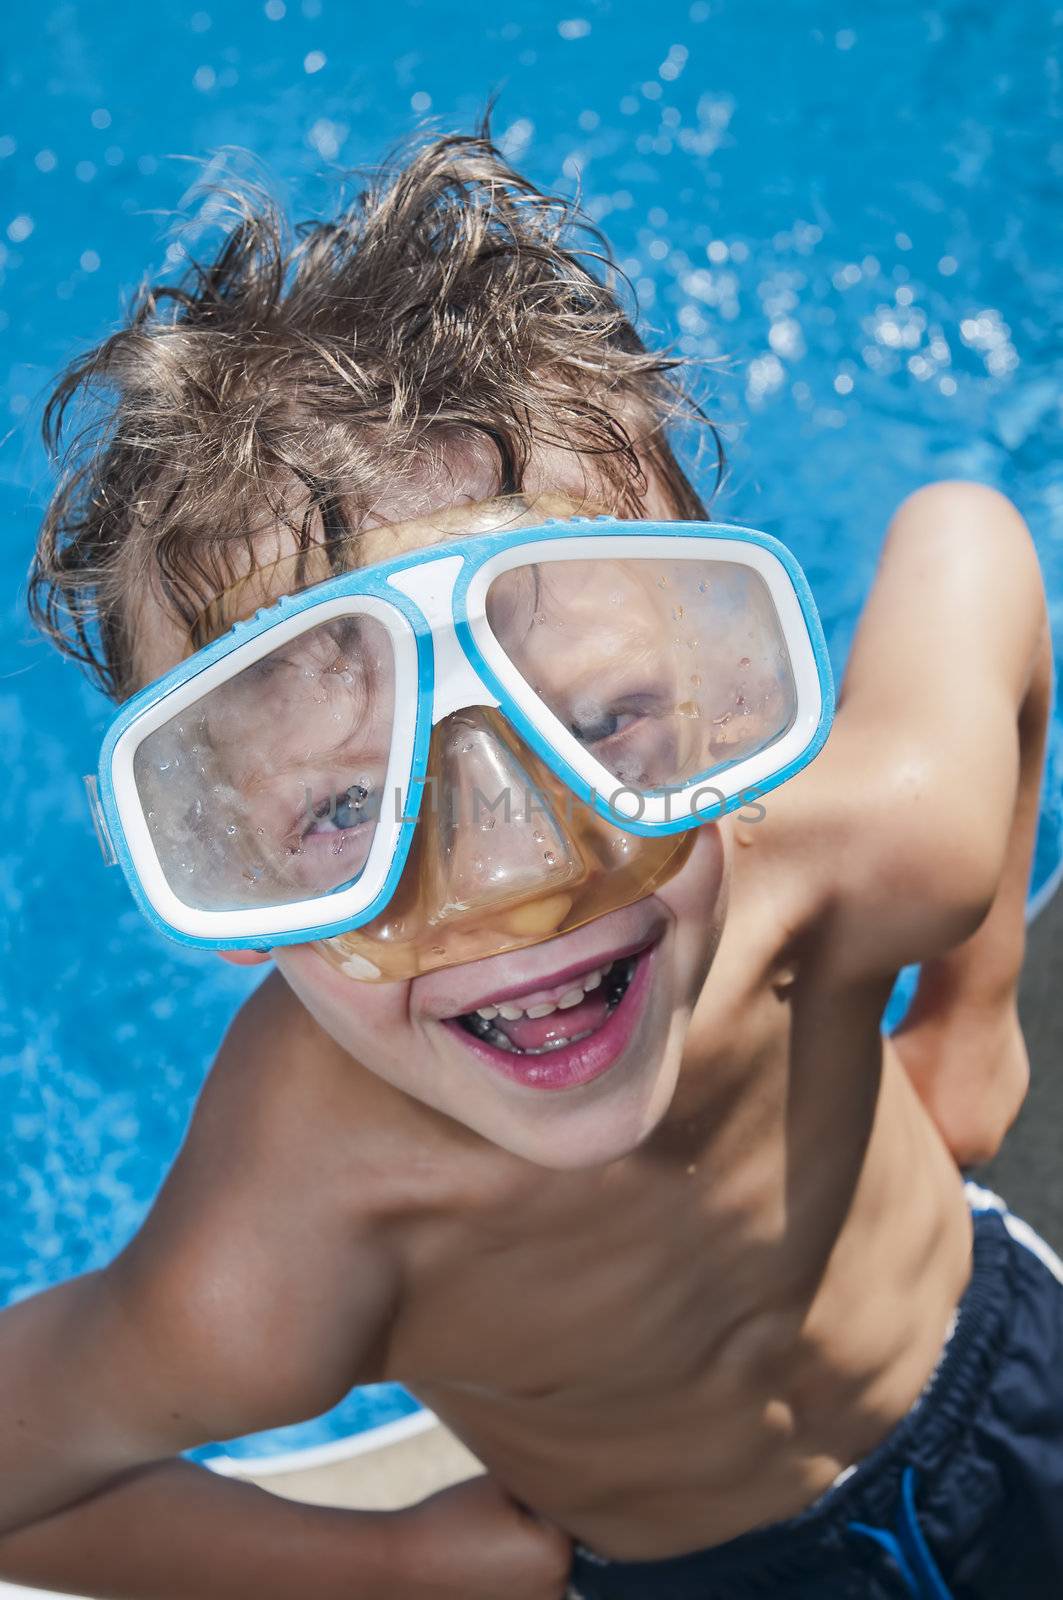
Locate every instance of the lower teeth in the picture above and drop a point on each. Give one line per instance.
(615, 985)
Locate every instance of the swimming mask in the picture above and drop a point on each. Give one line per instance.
(468, 748)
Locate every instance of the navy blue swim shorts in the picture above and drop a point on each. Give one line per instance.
(963, 1500)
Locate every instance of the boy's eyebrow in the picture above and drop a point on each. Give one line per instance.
(338, 646)
(299, 570)
(328, 558)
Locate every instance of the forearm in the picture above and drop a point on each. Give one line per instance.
(174, 1531)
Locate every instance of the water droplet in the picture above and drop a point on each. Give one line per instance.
(151, 816)
(231, 830)
(549, 857)
(538, 837)
(662, 583)
(703, 586)
(677, 613)
(487, 824)
(695, 678)
(743, 661)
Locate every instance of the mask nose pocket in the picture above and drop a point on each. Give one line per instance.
(498, 834)
(503, 855)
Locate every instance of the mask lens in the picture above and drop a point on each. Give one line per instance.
(267, 789)
(667, 671)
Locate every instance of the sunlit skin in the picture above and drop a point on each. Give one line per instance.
(663, 1306)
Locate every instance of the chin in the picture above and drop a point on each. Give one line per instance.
(604, 1135)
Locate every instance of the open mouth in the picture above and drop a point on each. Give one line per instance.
(564, 1038)
(580, 1012)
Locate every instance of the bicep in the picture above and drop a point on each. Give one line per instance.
(260, 1274)
(253, 1296)
(915, 859)
(924, 762)
(107, 1373)
(954, 614)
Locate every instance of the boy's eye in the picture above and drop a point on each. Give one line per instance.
(601, 725)
(592, 720)
(341, 812)
(351, 807)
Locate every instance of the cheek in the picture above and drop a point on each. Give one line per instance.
(697, 895)
(357, 1015)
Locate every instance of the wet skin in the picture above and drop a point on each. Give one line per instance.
(672, 1302)
(739, 1274)
(698, 1320)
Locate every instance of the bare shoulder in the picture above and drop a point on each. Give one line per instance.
(270, 1101)
(899, 830)
(262, 1279)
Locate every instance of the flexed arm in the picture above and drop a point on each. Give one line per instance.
(941, 732)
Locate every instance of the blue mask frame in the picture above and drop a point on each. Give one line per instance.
(437, 591)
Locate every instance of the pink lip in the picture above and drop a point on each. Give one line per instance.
(582, 1061)
(519, 991)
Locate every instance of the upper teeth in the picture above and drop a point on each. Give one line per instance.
(510, 1010)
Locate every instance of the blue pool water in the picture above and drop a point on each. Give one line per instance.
(849, 211)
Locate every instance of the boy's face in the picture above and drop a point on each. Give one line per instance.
(591, 1023)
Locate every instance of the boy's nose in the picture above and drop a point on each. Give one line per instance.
(503, 856)
(496, 832)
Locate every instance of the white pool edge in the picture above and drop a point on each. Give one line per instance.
(324, 1455)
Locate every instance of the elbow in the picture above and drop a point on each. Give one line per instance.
(964, 498)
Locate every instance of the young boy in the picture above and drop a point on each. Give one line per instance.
(712, 1304)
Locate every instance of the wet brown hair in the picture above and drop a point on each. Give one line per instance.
(452, 306)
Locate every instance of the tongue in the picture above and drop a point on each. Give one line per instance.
(531, 1033)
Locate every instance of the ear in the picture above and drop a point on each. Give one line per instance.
(245, 958)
